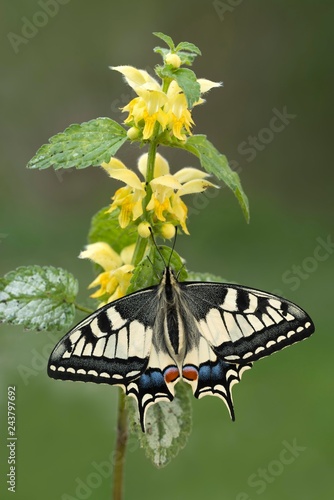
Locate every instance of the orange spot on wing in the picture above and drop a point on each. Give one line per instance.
(171, 374)
(190, 373)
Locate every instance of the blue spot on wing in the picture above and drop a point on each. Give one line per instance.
(152, 379)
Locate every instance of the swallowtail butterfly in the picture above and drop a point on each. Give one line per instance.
(205, 333)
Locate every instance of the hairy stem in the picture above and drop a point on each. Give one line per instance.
(83, 308)
(120, 449)
(122, 424)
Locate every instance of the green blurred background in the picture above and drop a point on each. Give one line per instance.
(271, 56)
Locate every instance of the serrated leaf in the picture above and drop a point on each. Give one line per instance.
(187, 80)
(216, 163)
(150, 270)
(39, 298)
(168, 426)
(105, 227)
(187, 57)
(81, 145)
(188, 47)
(194, 276)
(162, 51)
(167, 39)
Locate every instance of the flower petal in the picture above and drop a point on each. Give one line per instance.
(189, 173)
(154, 99)
(127, 253)
(195, 186)
(117, 170)
(101, 253)
(206, 85)
(161, 166)
(167, 180)
(136, 77)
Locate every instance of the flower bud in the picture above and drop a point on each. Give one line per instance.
(133, 133)
(167, 231)
(173, 59)
(144, 230)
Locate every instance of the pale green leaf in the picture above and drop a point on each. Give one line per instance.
(168, 426)
(39, 298)
(81, 145)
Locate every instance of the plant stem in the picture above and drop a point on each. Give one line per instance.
(152, 151)
(119, 455)
(122, 424)
(139, 250)
(83, 308)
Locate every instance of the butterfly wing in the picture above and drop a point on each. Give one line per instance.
(210, 376)
(243, 324)
(110, 346)
(114, 346)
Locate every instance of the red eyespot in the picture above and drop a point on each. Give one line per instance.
(190, 373)
(171, 374)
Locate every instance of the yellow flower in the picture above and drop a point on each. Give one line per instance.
(167, 190)
(115, 279)
(179, 116)
(129, 198)
(154, 105)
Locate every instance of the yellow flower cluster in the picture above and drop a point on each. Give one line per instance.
(165, 204)
(154, 105)
(115, 279)
(153, 201)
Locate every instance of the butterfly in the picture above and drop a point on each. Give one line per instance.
(205, 333)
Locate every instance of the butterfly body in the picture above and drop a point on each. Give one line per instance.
(204, 333)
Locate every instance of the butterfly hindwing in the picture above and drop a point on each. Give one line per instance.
(216, 378)
(155, 384)
(243, 324)
(110, 346)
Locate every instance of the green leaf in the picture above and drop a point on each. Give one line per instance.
(187, 57)
(167, 39)
(188, 47)
(40, 298)
(105, 227)
(187, 80)
(150, 270)
(168, 426)
(81, 145)
(162, 51)
(194, 276)
(216, 163)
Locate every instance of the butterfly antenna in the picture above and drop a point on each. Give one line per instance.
(156, 246)
(170, 255)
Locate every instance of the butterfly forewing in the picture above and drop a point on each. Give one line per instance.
(243, 324)
(110, 346)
